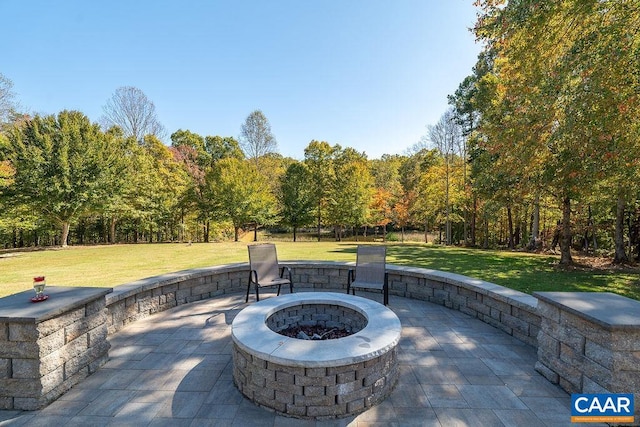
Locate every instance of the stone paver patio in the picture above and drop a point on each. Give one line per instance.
(175, 369)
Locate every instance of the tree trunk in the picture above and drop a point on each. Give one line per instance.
(485, 243)
(426, 235)
(112, 230)
(207, 226)
(565, 236)
(637, 233)
(535, 225)
(620, 256)
(510, 225)
(255, 232)
(589, 227)
(65, 234)
(294, 233)
(473, 220)
(236, 233)
(319, 222)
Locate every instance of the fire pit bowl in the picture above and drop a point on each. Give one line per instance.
(316, 378)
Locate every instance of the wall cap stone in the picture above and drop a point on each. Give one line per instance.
(18, 308)
(250, 332)
(609, 311)
(149, 283)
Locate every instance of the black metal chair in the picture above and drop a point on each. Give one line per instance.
(370, 271)
(265, 271)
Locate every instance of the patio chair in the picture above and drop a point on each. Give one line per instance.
(263, 262)
(370, 271)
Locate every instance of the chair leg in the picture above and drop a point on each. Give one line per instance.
(290, 288)
(257, 293)
(278, 290)
(248, 290)
(386, 295)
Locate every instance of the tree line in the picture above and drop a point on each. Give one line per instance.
(538, 150)
(552, 114)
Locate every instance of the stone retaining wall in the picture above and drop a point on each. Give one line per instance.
(47, 348)
(589, 342)
(511, 311)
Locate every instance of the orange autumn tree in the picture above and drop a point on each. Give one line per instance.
(381, 209)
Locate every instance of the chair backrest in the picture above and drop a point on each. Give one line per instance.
(264, 260)
(370, 264)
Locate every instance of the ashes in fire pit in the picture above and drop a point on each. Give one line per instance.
(316, 321)
(315, 332)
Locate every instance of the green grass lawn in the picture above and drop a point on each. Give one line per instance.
(110, 266)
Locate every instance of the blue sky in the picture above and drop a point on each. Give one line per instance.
(367, 74)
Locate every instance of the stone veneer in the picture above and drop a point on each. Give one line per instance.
(48, 347)
(589, 342)
(316, 379)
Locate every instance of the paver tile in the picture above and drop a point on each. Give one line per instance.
(451, 417)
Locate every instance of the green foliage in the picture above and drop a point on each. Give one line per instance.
(558, 104)
(352, 189)
(241, 194)
(64, 166)
(296, 197)
(318, 156)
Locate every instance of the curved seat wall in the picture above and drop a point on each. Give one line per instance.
(512, 311)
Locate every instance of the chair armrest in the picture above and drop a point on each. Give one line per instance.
(288, 269)
(253, 276)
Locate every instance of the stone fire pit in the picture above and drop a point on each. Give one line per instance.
(316, 379)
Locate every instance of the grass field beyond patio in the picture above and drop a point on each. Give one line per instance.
(110, 266)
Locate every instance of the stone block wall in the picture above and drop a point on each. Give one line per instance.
(590, 342)
(330, 392)
(511, 311)
(143, 298)
(40, 360)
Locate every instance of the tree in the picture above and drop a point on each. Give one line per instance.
(296, 197)
(219, 147)
(256, 138)
(131, 110)
(445, 136)
(7, 103)
(318, 156)
(63, 165)
(240, 193)
(351, 192)
(563, 105)
(381, 209)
